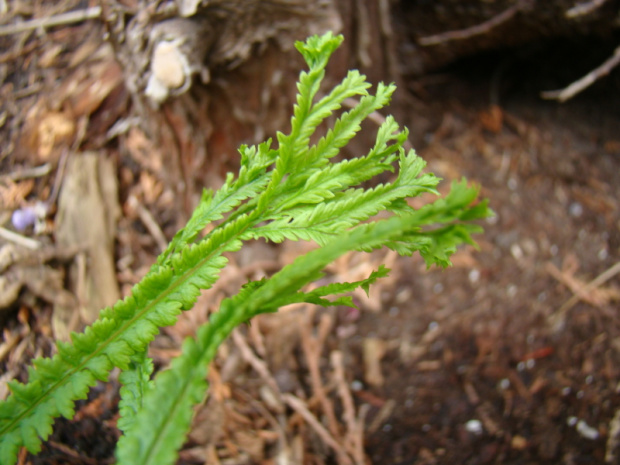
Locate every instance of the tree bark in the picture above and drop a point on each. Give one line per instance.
(206, 76)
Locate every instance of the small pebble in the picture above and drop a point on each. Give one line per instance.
(492, 219)
(504, 383)
(587, 431)
(474, 276)
(511, 290)
(357, 385)
(575, 209)
(474, 426)
(516, 251)
(23, 218)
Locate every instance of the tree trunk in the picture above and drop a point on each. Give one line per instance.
(206, 76)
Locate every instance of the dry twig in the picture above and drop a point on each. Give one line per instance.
(28, 173)
(581, 9)
(300, 407)
(257, 364)
(582, 293)
(478, 29)
(596, 282)
(149, 222)
(354, 440)
(313, 347)
(19, 239)
(579, 85)
(51, 21)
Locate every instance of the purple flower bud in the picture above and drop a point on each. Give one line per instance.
(23, 217)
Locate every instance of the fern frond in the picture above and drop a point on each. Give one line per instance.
(316, 51)
(292, 191)
(252, 180)
(120, 332)
(349, 124)
(160, 428)
(332, 217)
(136, 383)
(316, 296)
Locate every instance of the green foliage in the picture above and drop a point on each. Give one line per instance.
(294, 191)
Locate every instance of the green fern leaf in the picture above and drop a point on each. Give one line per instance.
(136, 383)
(291, 192)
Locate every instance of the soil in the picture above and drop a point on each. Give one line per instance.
(501, 349)
(508, 357)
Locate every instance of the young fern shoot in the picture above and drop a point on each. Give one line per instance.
(294, 191)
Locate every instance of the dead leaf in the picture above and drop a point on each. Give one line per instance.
(143, 151)
(492, 119)
(54, 129)
(12, 194)
(86, 92)
(151, 187)
(25, 268)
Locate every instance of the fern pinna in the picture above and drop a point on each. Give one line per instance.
(294, 191)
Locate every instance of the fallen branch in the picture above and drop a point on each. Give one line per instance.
(573, 89)
(478, 29)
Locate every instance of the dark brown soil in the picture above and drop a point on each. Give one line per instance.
(499, 353)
